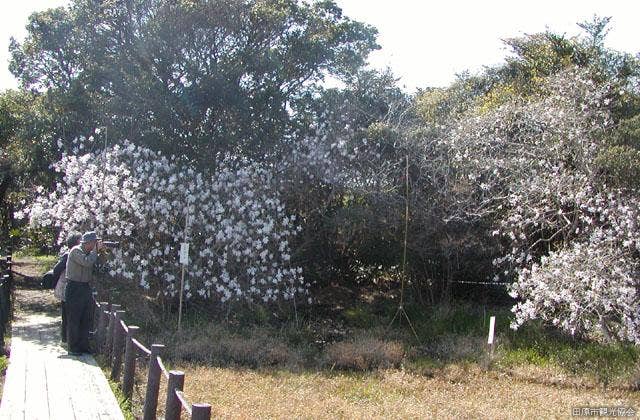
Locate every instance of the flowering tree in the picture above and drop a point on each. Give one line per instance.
(529, 166)
(237, 226)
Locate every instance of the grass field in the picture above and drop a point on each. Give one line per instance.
(457, 391)
(249, 371)
(351, 365)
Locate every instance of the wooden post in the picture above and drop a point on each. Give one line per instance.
(108, 339)
(200, 411)
(9, 266)
(130, 352)
(4, 309)
(110, 328)
(10, 285)
(102, 326)
(173, 406)
(5, 296)
(118, 345)
(153, 383)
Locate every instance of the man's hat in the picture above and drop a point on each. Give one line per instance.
(89, 236)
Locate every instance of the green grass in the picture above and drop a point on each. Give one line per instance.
(361, 317)
(425, 366)
(457, 319)
(526, 356)
(448, 329)
(539, 346)
(605, 363)
(125, 404)
(4, 364)
(42, 263)
(30, 253)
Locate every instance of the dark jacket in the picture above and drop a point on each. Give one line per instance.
(50, 278)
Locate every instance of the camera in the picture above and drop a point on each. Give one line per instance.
(110, 244)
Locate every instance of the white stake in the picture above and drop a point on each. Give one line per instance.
(492, 325)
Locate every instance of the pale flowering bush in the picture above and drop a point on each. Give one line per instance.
(583, 288)
(588, 282)
(571, 243)
(238, 228)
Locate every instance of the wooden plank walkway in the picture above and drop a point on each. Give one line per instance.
(43, 382)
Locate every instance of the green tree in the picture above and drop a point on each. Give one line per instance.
(25, 152)
(193, 77)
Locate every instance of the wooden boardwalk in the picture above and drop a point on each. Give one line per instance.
(43, 382)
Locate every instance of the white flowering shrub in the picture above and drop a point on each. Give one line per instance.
(238, 228)
(571, 242)
(586, 287)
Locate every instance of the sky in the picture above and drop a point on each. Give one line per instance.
(424, 42)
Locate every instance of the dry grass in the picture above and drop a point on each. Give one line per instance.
(259, 380)
(364, 354)
(459, 391)
(256, 372)
(216, 344)
(454, 347)
(334, 368)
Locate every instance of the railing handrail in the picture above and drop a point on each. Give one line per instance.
(141, 347)
(114, 337)
(183, 401)
(163, 369)
(6, 295)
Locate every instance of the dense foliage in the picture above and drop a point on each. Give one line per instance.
(195, 78)
(525, 173)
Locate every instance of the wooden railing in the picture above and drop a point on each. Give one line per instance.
(116, 340)
(6, 300)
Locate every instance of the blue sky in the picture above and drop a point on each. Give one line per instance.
(425, 42)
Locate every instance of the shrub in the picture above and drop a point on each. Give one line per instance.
(237, 226)
(364, 354)
(217, 344)
(452, 347)
(257, 352)
(570, 242)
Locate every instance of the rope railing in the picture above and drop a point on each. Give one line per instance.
(116, 341)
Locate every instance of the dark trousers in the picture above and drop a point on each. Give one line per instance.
(78, 305)
(63, 326)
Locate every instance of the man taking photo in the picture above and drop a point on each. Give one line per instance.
(79, 274)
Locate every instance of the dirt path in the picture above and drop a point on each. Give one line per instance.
(29, 297)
